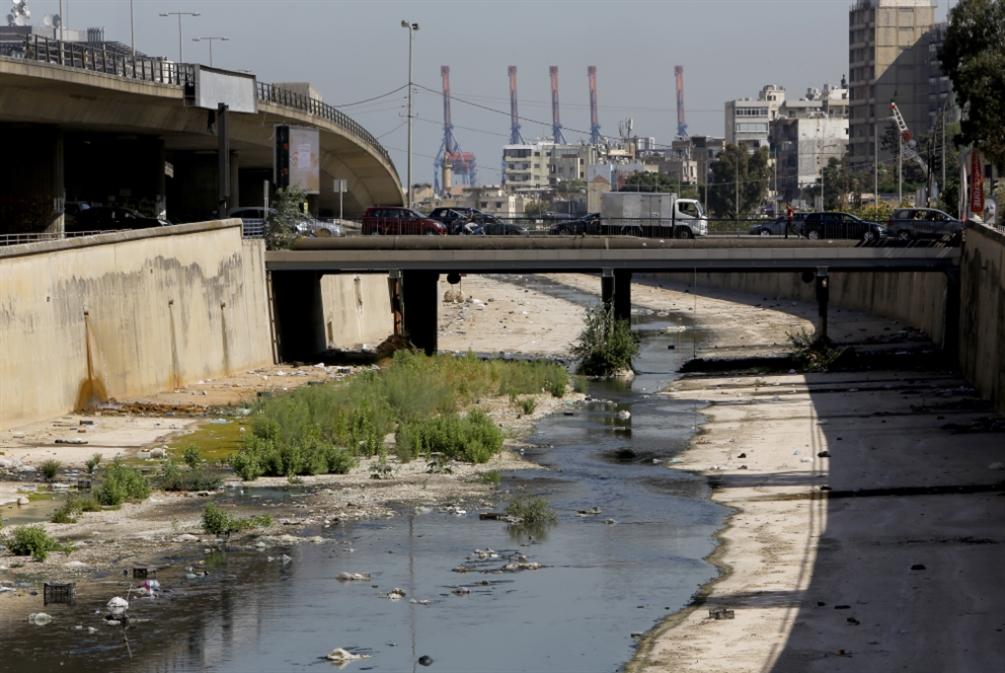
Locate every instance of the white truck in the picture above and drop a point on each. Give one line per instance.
(656, 215)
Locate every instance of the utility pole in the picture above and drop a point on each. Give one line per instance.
(942, 186)
(132, 32)
(412, 27)
(736, 184)
(875, 162)
(900, 170)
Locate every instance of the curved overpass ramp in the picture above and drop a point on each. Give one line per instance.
(97, 118)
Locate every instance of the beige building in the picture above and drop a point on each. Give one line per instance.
(888, 60)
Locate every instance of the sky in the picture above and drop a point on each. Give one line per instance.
(353, 50)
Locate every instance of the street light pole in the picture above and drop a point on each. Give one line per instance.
(179, 15)
(211, 39)
(132, 31)
(412, 27)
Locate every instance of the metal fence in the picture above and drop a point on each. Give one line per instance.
(35, 237)
(102, 59)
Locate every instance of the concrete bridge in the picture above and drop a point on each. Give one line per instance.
(99, 128)
(414, 264)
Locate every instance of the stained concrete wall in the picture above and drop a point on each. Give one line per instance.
(357, 310)
(982, 312)
(915, 299)
(127, 313)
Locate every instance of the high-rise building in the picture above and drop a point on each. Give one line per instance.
(888, 60)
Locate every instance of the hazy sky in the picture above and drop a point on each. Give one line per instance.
(353, 50)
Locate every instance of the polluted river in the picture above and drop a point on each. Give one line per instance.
(440, 588)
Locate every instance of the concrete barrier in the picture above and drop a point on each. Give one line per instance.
(129, 313)
(982, 312)
(357, 310)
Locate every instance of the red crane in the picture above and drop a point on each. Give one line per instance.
(678, 71)
(515, 137)
(595, 137)
(556, 124)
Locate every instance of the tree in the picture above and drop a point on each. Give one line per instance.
(973, 56)
(281, 225)
(738, 173)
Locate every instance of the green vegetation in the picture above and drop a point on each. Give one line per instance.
(531, 511)
(70, 510)
(92, 463)
(526, 405)
(473, 438)
(191, 456)
(31, 541)
(215, 442)
(606, 345)
(737, 167)
(120, 484)
(50, 468)
(281, 226)
(174, 478)
(216, 521)
(319, 429)
(812, 355)
(492, 477)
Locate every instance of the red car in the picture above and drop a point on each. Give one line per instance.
(398, 221)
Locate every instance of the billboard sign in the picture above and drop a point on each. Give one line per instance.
(976, 183)
(298, 158)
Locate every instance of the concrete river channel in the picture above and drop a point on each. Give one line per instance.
(608, 574)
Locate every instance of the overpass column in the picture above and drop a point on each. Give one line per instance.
(299, 312)
(607, 288)
(420, 306)
(623, 295)
(951, 329)
(823, 292)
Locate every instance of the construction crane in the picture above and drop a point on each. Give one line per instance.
(556, 124)
(595, 137)
(461, 164)
(907, 143)
(678, 71)
(515, 137)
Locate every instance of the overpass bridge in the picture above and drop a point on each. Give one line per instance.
(414, 263)
(83, 124)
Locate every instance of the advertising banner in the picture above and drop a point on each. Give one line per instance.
(305, 159)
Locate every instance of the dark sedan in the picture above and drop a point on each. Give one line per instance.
(587, 224)
(498, 228)
(911, 223)
(841, 225)
(112, 218)
(776, 227)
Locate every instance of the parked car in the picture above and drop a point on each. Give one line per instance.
(253, 219)
(456, 217)
(776, 227)
(111, 218)
(587, 224)
(499, 228)
(841, 225)
(910, 223)
(398, 221)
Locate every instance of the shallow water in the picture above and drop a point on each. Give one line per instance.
(605, 576)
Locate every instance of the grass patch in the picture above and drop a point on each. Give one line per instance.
(526, 405)
(318, 429)
(31, 541)
(216, 521)
(175, 478)
(120, 484)
(473, 438)
(214, 442)
(492, 477)
(606, 345)
(92, 463)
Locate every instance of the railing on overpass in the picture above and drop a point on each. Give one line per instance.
(162, 71)
(34, 237)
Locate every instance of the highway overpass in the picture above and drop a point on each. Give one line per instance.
(83, 125)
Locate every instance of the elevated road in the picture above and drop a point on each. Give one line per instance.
(379, 254)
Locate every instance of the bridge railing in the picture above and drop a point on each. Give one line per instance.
(101, 58)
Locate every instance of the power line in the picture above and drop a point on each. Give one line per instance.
(367, 100)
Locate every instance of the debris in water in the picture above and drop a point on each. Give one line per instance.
(39, 618)
(425, 660)
(341, 656)
(395, 594)
(117, 605)
(352, 577)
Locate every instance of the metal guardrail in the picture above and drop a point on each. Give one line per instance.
(35, 237)
(162, 71)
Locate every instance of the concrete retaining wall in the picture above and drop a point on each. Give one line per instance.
(982, 312)
(915, 299)
(357, 310)
(127, 314)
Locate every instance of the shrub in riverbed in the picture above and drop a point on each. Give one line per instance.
(473, 438)
(216, 521)
(531, 511)
(30, 541)
(606, 345)
(92, 463)
(50, 469)
(174, 478)
(73, 507)
(120, 484)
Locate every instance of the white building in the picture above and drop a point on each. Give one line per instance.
(803, 146)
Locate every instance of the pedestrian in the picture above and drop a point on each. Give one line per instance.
(788, 218)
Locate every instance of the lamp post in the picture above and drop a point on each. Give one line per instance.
(179, 15)
(211, 39)
(412, 27)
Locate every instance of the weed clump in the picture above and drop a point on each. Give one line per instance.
(92, 463)
(120, 484)
(216, 521)
(31, 541)
(74, 506)
(813, 355)
(492, 478)
(50, 469)
(473, 438)
(325, 429)
(531, 511)
(606, 345)
(174, 478)
(526, 405)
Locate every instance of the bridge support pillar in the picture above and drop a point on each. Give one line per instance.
(299, 314)
(822, 287)
(607, 288)
(420, 307)
(623, 295)
(951, 329)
